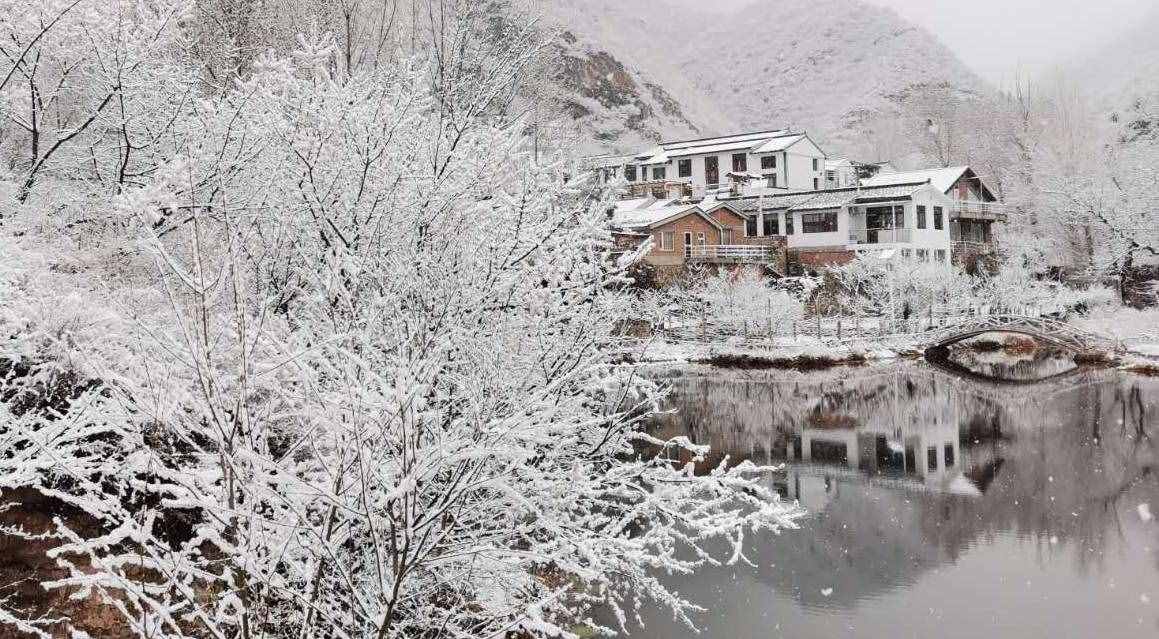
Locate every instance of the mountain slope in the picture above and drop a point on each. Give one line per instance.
(619, 78)
(820, 64)
(825, 65)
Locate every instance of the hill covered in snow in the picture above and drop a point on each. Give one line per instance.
(665, 68)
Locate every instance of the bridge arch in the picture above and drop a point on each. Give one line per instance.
(1038, 336)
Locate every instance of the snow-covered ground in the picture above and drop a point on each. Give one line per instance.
(777, 349)
(1137, 330)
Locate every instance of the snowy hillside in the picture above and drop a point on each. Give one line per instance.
(620, 78)
(825, 65)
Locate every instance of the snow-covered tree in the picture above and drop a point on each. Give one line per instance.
(355, 378)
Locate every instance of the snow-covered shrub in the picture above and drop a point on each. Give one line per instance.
(744, 296)
(898, 287)
(367, 388)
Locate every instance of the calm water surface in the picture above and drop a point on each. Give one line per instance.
(939, 505)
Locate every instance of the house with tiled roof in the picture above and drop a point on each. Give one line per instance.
(777, 159)
(974, 209)
(708, 232)
(782, 190)
(831, 226)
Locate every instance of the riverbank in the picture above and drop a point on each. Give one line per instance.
(1136, 331)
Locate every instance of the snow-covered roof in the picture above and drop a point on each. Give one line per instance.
(944, 178)
(787, 200)
(892, 191)
(722, 147)
(754, 137)
(779, 143)
(828, 198)
(758, 142)
(640, 213)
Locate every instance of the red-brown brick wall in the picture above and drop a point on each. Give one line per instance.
(822, 258)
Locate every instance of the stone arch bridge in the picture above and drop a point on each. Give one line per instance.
(1044, 330)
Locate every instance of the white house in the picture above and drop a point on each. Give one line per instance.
(823, 228)
(778, 159)
(826, 210)
(973, 209)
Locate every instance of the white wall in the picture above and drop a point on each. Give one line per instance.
(799, 157)
(800, 239)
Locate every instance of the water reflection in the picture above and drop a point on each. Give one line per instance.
(938, 507)
(1004, 366)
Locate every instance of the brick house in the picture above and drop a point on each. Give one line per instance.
(711, 232)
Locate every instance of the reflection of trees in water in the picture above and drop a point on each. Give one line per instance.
(1072, 467)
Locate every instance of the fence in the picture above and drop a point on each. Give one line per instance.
(843, 330)
(743, 253)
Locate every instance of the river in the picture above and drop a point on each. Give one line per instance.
(939, 505)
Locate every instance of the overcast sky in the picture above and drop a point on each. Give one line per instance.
(1000, 37)
(996, 37)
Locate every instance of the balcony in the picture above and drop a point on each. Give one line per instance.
(978, 211)
(731, 254)
(659, 189)
(881, 236)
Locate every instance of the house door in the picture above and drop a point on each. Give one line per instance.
(711, 171)
(687, 245)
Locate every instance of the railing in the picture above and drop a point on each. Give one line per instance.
(979, 210)
(880, 236)
(734, 253)
(659, 188)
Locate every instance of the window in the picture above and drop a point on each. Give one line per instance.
(923, 255)
(773, 181)
(740, 162)
(949, 455)
(815, 165)
(816, 184)
(666, 238)
(824, 222)
(750, 226)
(768, 162)
(771, 223)
(938, 218)
(932, 458)
(940, 256)
(684, 168)
(726, 236)
(899, 217)
(788, 222)
(630, 172)
(921, 216)
(907, 253)
(658, 173)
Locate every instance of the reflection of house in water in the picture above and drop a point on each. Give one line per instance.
(888, 427)
(882, 516)
(906, 436)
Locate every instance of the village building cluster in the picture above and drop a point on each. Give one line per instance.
(774, 198)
